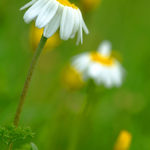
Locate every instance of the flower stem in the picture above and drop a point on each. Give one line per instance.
(10, 146)
(79, 120)
(83, 117)
(28, 80)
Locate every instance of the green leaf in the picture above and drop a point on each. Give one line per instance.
(17, 136)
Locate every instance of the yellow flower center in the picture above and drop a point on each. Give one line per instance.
(107, 61)
(67, 3)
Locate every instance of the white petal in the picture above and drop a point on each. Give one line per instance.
(81, 62)
(83, 23)
(28, 4)
(100, 74)
(108, 80)
(47, 14)
(54, 24)
(80, 35)
(62, 24)
(85, 27)
(80, 32)
(34, 10)
(67, 25)
(94, 70)
(103, 77)
(117, 75)
(76, 24)
(105, 48)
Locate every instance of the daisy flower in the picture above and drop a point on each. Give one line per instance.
(56, 14)
(100, 66)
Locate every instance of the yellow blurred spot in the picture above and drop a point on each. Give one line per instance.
(123, 141)
(89, 5)
(97, 57)
(35, 36)
(71, 78)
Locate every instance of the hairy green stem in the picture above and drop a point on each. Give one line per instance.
(27, 82)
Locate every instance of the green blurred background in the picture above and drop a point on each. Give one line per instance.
(50, 109)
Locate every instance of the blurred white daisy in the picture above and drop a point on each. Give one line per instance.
(54, 14)
(100, 66)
